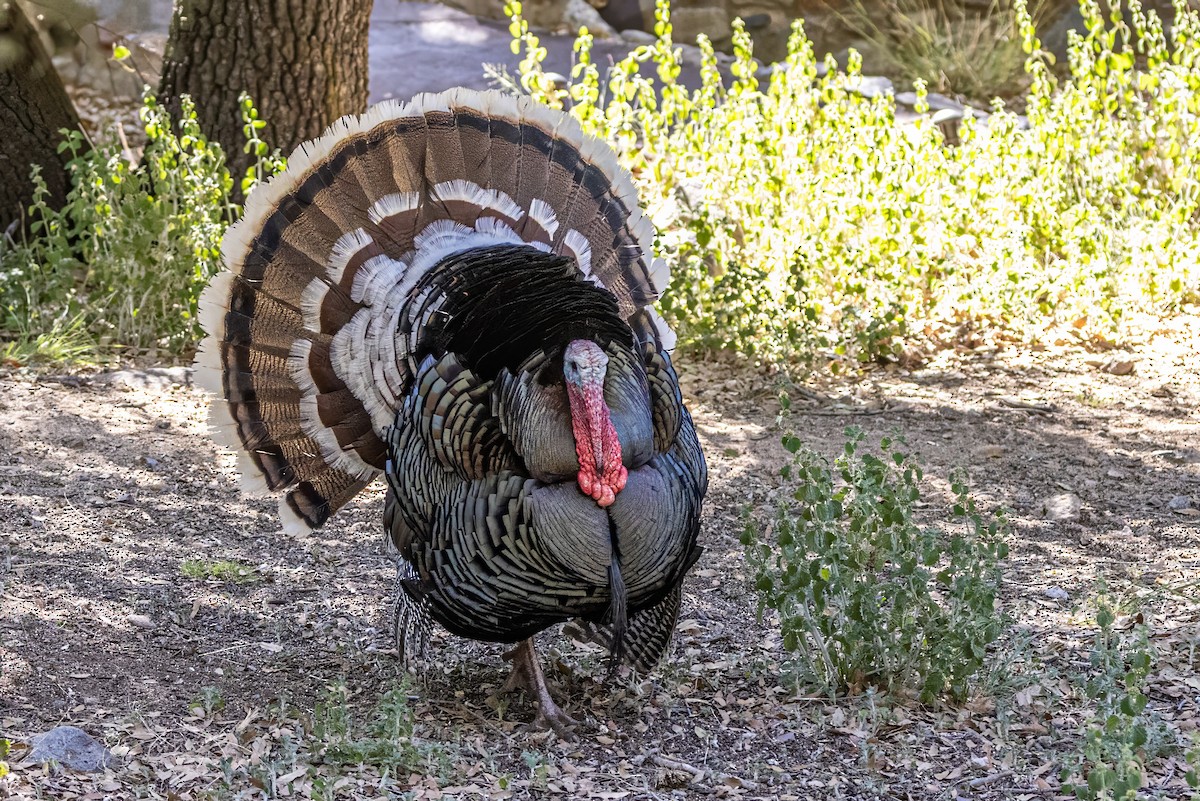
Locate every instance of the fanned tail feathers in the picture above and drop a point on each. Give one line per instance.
(301, 348)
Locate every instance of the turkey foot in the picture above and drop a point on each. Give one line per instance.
(527, 674)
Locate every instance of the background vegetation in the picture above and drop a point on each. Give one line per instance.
(810, 226)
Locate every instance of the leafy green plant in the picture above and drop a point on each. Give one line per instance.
(320, 753)
(124, 261)
(539, 769)
(809, 227)
(1123, 735)
(1193, 774)
(207, 701)
(387, 741)
(65, 341)
(867, 597)
(221, 570)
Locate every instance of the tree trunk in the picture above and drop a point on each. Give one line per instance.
(304, 63)
(33, 107)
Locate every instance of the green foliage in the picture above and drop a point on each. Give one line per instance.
(807, 226)
(5, 747)
(221, 570)
(266, 162)
(1193, 762)
(865, 596)
(64, 342)
(1123, 735)
(319, 755)
(539, 769)
(209, 700)
(124, 261)
(386, 741)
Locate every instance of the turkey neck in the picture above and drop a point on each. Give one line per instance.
(601, 471)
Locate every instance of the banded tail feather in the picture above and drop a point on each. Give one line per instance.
(321, 267)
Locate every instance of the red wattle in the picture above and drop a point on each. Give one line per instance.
(601, 473)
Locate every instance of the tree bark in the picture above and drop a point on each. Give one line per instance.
(34, 106)
(304, 63)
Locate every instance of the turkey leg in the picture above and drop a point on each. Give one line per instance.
(527, 674)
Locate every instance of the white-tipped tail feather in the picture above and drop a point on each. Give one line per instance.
(303, 348)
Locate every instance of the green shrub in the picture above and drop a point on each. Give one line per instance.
(808, 226)
(387, 741)
(1193, 762)
(222, 570)
(865, 596)
(1122, 736)
(124, 261)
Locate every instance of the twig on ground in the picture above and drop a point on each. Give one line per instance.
(1026, 406)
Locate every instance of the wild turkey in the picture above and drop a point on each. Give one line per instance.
(456, 293)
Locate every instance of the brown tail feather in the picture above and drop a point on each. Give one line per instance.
(302, 349)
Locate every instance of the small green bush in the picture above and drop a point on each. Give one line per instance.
(125, 260)
(221, 570)
(387, 741)
(1193, 762)
(808, 226)
(865, 596)
(1122, 736)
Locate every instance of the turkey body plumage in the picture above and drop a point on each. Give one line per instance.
(456, 293)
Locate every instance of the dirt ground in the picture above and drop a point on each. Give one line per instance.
(204, 683)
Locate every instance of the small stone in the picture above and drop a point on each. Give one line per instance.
(141, 621)
(1056, 593)
(872, 86)
(1117, 473)
(688, 23)
(579, 14)
(1180, 503)
(156, 378)
(1062, 508)
(638, 38)
(70, 747)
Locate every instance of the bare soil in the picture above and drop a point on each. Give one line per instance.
(110, 483)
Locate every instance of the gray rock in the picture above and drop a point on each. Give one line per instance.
(579, 14)
(688, 23)
(70, 747)
(872, 86)
(637, 38)
(1056, 593)
(1179, 503)
(936, 102)
(150, 378)
(1062, 508)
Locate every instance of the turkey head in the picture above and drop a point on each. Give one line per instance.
(601, 471)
